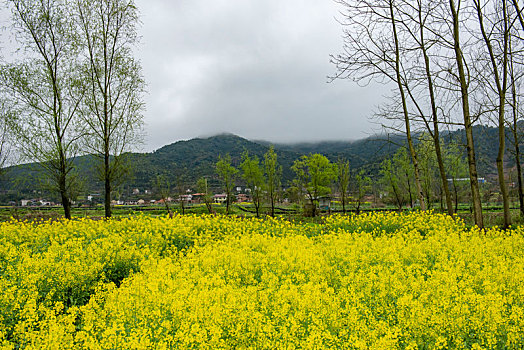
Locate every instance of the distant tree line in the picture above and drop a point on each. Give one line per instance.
(315, 177)
(450, 63)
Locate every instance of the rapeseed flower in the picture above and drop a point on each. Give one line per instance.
(372, 281)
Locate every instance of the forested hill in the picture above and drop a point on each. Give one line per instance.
(197, 157)
(189, 160)
(192, 159)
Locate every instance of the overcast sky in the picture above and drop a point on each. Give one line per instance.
(254, 68)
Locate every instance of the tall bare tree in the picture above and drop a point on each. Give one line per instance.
(495, 36)
(114, 103)
(515, 76)
(460, 74)
(373, 50)
(417, 23)
(45, 90)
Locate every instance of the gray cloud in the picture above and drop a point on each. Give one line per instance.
(253, 68)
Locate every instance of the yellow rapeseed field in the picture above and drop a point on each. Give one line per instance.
(373, 281)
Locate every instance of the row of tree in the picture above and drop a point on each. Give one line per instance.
(74, 88)
(315, 177)
(397, 175)
(451, 64)
(264, 179)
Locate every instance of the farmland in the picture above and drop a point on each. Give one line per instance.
(377, 280)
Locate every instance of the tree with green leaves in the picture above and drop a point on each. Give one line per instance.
(227, 173)
(113, 104)
(343, 181)
(405, 174)
(181, 187)
(253, 174)
(361, 184)
(204, 190)
(396, 177)
(273, 176)
(429, 171)
(457, 171)
(162, 187)
(392, 184)
(46, 91)
(314, 175)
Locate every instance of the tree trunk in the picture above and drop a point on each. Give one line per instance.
(169, 212)
(456, 195)
(257, 207)
(409, 191)
(472, 165)
(66, 203)
(516, 138)
(500, 171)
(107, 188)
(62, 179)
(313, 207)
(397, 196)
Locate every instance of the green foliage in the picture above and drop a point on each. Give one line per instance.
(361, 185)
(343, 181)
(314, 175)
(396, 177)
(198, 158)
(274, 177)
(429, 172)
(457, 170)
(162, 186)
(226, 173)
(203, 188)
(253, 174)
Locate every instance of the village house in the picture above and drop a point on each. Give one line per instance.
(198, 198)
(186, 198)
(220, 198)
(242, 197)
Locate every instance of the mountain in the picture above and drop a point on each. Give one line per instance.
(197, 157)
(192, 159)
